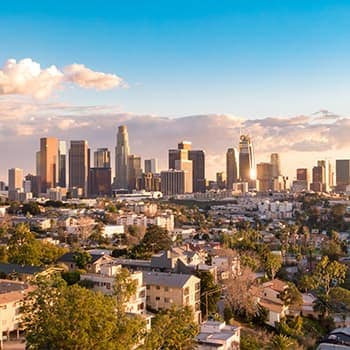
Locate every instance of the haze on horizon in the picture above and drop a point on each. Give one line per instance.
(197, 70)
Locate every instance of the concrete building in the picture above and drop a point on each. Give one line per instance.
(232, 167)
(318, 179)
(134, 171)
(79, 164)
(15, 179)
(121, 158)
(187, 167)
(276, 164)
(167, 289)
(172, 182)
(221, 180)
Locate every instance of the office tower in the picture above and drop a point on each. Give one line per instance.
(318, 179)
(102, 158)
(198, 170)
(134, 171)
(172, 182)
(100, 180)
(62, 164)
(149, 182)
(328, 180)
(186, 145)
(121, 158)
(27, 186)
(15, 179)
(276, 164)
(79, 164)
(342, 172)
(302, 174)
(232, 171)
(151, 166)
(37, 163)
(221, 180)
(48, 162)
(186, 166)
(246, 159)
(264, 177)
(35, 184)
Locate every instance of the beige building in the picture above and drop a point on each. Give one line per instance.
(48, 162)
(167, 289)
(11, 296)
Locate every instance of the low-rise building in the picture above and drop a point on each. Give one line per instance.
(167, 289)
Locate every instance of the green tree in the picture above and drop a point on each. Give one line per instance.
(3, 254)
(31, 208)
(57, 316)
(272, 263)
(210, 293)
(155, 240)
(23, 248)
(172, 329)
(82, 258)
(50, 253)
(282, 342)
(291, 295)
(124, 287)
(328, 274)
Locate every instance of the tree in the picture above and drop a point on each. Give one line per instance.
(282, 342)
(124, 288)
(210, 293)
(31, 208)
(3, 254)
(82, 258)
(291, 295)
(327, 275)
(57, 316)
(155, 240)
(272, 263)
(49, 253)
(172, 329)
(23, 248)
(241, 293)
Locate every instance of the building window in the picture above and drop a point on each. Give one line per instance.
(166, 300)
(157, 298)
(148, 287)
(157, 287)
(186, 291)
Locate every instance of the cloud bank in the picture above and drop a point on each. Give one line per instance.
(300, 140)
(26, 77)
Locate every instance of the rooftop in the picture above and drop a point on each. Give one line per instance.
(174, 280)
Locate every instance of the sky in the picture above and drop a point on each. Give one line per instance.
(150, 61)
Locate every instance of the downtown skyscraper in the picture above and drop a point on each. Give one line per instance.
(232, 168)
(121, 158)
(246, 159)
(48, 161)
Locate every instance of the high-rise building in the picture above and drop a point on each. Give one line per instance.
(149, 182)
(79, 164)
(15, 179)
(187, 167)
(187, 145)
(246, 159)
(35, 184)
(221, 180)
(172, 182)
(48, 162)
(134, 171)
(62, 164)
(100, 180)
(276, 165)
(318, 179)
(121, 158)
(151, 166)
(232, 168)
(264, 177)
(342, 172)
(328, 181)
(198, 170)
(102, 158)
(302, 174)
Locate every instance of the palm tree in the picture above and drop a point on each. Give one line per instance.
(282, 342)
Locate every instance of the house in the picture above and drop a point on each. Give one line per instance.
(94, 264)
(338, 339)
(104, 280)
(167, 289)
(216, 335)
(22, 272)
(270, 300)
(11, 297)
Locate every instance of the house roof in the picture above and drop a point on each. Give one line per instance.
(276, 284)
(271, 306)
(174, 280)
(69, 257)
(20, 269)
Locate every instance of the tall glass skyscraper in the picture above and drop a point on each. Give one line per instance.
(232, 168)
(121, 158)
(246, 159)
(62, 161)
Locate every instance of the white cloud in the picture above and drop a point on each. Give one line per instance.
(26, 77)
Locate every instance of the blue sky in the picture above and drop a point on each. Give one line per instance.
(248, 58)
